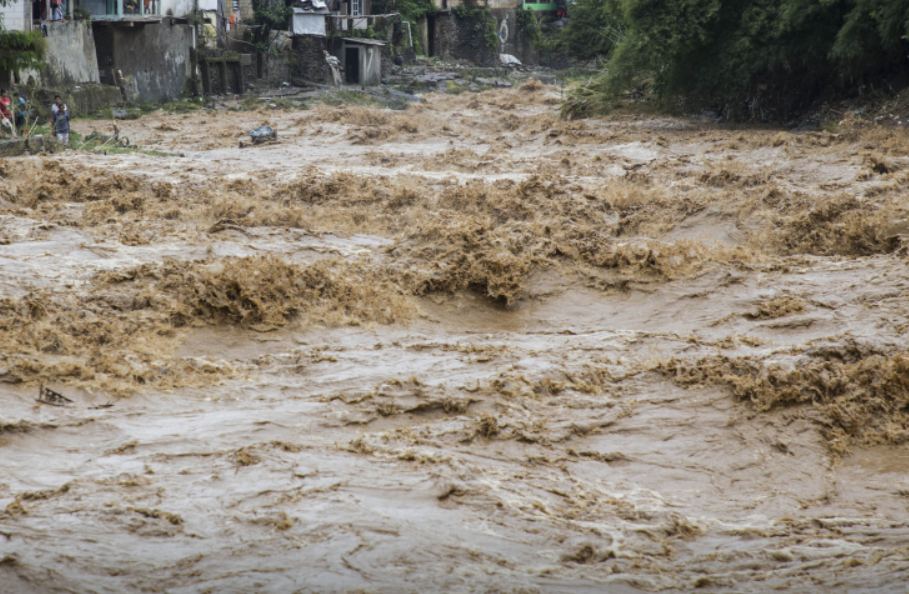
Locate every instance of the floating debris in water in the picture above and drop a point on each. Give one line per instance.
(263, 134)
(48, 396)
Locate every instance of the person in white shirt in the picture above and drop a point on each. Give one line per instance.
(60, 118)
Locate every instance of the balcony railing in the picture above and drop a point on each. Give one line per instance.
(115, 10)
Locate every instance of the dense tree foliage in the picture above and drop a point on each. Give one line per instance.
(595, 28)
(745, 55)
(20, 50)
(269, 15)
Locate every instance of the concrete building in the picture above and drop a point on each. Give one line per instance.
(17, 15)
(352, 8)
(149, 59)
(362, 61)
(145, 47)
(309, 17)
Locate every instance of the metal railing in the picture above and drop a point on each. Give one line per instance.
(115, 10)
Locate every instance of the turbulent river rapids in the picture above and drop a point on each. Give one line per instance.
(463, 347)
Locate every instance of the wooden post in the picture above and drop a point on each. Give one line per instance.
(47, 10)
(222, 74)
(206, 77)
(240, 80)
(120, 8)
(69, 8)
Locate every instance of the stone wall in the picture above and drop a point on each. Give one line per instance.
(388, 61)
(222, 75)
(520, 44)
(309, 60)
(243, 63)
(153, 58)
(85, 99)
(226, 71)
(464, 37)
(525, 52)
(278, 65)
(278, 68)
(35, 144)
(246, 11)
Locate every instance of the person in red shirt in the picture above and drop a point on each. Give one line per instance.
(6, 112)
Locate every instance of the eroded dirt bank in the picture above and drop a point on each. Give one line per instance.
(465, 347)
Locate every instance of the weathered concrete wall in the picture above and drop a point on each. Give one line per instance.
(506, 28)
(154, 58)
(176, 7)
(71, 57)
(371, 65)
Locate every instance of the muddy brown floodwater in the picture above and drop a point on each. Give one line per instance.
(465, 347)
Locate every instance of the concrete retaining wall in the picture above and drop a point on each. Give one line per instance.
(71, 55)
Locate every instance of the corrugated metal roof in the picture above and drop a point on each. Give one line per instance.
(363, 41)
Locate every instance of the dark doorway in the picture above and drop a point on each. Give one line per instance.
(430, 36)
(104, 52)
(352, 65)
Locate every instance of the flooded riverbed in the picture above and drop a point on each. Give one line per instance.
(465, 347)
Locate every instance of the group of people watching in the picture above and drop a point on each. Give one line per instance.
(14, 116)
(39, 10)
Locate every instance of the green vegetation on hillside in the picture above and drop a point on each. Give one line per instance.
(752, 58)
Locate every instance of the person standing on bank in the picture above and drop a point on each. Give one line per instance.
(20, 112)
(60, 117)
(6, 112)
